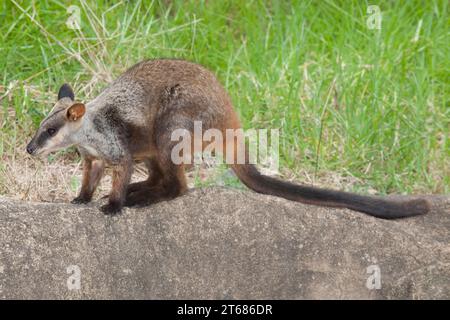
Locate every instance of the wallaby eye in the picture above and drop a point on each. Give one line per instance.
(51, 132)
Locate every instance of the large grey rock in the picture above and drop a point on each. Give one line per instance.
(221, 243)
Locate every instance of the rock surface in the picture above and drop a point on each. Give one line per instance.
(223, 244)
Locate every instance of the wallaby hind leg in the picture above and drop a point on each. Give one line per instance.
(154, 177)
(171, 184)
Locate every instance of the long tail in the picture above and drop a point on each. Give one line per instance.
(374, 206)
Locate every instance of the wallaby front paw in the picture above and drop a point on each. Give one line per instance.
(80, 200)
(111, 208)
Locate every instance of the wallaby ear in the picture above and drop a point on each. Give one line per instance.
(75, 111)
(66, 92)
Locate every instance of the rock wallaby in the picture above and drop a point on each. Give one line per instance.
(133, 120)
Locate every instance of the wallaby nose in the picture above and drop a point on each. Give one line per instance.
(30, 149)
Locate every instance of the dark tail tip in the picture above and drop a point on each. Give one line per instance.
(417, 207)
(392, 209)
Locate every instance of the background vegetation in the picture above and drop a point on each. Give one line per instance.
(359, 109)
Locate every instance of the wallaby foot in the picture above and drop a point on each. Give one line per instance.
(80, 200)
(111, 208)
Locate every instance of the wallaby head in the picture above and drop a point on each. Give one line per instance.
(57, 129)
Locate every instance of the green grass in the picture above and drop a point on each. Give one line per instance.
(361, 103)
